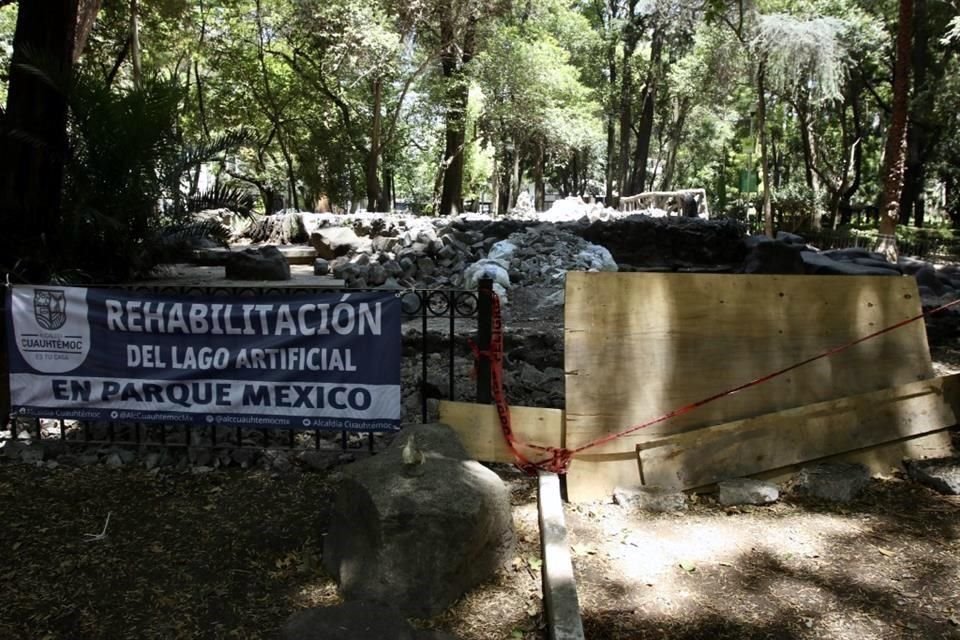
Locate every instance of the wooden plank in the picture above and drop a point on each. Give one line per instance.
(638, 345)
(478, 426)
(772, 441)
(882, 460)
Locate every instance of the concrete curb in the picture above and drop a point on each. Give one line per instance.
(560, 601)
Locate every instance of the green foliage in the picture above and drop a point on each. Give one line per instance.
(8, 19)
(799, 52)
(125, 160)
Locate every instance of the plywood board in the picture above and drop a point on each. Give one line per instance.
(478, 426)
(881, 460)
(638, 345)
(763, 443)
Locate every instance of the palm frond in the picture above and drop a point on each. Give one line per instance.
(214, 147)
(223, 196)
(186, 234)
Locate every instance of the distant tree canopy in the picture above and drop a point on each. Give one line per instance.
(437, 105)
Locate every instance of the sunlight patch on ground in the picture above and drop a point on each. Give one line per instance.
(700, 544)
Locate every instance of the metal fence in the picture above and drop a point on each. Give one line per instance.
(425, 307)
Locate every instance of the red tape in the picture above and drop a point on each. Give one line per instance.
(558, 460)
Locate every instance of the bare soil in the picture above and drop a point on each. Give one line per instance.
(885, 566)
(216, 555)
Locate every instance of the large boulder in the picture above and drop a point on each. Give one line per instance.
(265, 263)
(418, 525)
(333, 242)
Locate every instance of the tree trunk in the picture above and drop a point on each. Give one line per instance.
(452, 61)
(764, 160)
(809, 159)
(31, 165)
(626, 124)
(539, 188)
(495, 185)
(386, 202)
(372, 173)
(918, 138)
(451, 196)
(135, 57)
(673, 146)
(611, 161)
(274, 112)
(896, 136)
(609, 176)
(638, 179)
(86, 16)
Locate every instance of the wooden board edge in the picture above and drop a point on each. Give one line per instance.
(478, 426)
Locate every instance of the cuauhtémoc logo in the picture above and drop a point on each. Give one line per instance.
(50, 308)
(51, 327)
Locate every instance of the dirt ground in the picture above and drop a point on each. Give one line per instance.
(216, 555)
(884, 566)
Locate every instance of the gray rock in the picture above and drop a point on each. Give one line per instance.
(244, 457)
(200, 456)
(376, 275)
(393, 268)
(277, 460)
(833, 482)
(12, 448)
(348, 621)
(317, 460)
(650, 498)
(417, 534)
(426, 266)
(151, 460)
(746, 491)
(87, 459)
(265, 263)
(126, 456)
(113, 460)
(940, 474)
(32, 453)
(332, 242)
(321, 267)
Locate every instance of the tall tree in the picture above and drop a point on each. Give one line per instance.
(34, 131)
(896, 146)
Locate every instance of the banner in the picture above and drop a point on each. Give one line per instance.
(321, 361)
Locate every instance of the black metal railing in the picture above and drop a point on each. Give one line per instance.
(423, 306)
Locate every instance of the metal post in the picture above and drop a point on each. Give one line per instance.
(484, 332)
(424, 302)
